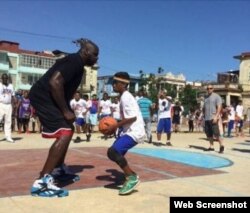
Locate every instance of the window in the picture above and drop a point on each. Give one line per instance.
(36, 61)
(28, 78)
(13, 62)
(3, 58)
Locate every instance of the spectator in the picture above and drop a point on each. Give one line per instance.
(177, 110)
(191, 117)
(164, 117)
(116, 113)
(87, 126)
(105, 106)
(24, 113)
(224, 118)
(212, 110)
(198, 120)
(91, 116)
(146, 108)
(7, 98)
(35, 121)
(239, 117)
(104, 109)
(231, 118)
(79, 106)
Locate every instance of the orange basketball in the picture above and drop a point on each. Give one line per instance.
(105, 122)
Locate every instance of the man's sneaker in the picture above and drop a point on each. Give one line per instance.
(221, 149)
(150, 139)
(63, 174)
(130, 184)
(168, 144)
(45, 187)
(77, 140)
(9, 140)
(88, 137)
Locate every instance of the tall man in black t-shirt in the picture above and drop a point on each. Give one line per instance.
(50, 97)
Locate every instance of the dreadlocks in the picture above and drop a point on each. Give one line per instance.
(83, 43)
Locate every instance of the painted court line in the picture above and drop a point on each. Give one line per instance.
(185, 157)
(135, 165)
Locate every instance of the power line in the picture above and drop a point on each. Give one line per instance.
(128, 56)
(36, 34)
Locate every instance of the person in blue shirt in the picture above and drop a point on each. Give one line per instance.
(146, 108)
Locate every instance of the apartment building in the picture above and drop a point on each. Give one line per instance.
(25, 67)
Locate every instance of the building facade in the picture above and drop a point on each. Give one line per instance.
(104, 85)
(244, 77)
(234, 85)
(25, 67)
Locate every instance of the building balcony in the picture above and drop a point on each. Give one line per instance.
(4, 67)
(36, 70)
(227, 85)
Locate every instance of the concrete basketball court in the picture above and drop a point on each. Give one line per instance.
(97, 191)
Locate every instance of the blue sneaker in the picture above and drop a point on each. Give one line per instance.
(45, 187)
(63, 174)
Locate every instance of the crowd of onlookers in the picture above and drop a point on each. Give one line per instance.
(89, 110)
(24, 119)
(232, 119)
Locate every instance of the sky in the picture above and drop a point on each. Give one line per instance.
(197, 38)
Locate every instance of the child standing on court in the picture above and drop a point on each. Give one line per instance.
(133, 131)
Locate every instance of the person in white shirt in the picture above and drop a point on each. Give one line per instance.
(239, 119)
(133, 131)
(231, 118)
(88, 126)
(105, 109)
(79, 106)
(105, 106)
(116, 113)
(6, 98)
(164, 117)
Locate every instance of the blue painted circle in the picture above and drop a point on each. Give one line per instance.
(185, 157)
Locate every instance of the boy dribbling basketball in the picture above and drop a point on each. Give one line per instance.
(133, 131)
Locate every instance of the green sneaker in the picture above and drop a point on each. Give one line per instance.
(130, 184)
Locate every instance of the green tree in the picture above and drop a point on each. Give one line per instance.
(188, 98)
(152, 88)
(171, 90)
(143, 81)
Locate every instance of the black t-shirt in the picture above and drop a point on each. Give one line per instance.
(71, 68)
(177, 110)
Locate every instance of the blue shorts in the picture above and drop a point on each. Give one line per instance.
(164, 125)
(80, 121)
(123, 144)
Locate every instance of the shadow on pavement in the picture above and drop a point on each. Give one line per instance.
(14, 138)
(75, 169)
(197, 147)
(116, 177)
(241, 150)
